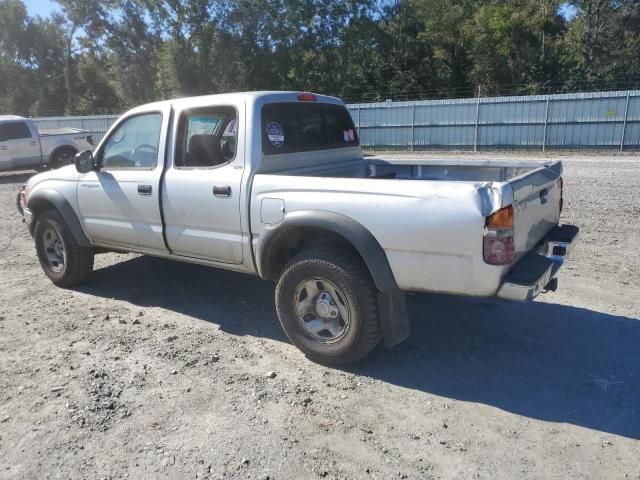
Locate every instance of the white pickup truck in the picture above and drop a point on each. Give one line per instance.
(275, 184)
(23, 147)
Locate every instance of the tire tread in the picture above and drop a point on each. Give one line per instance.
(341, 262)
(79, 260)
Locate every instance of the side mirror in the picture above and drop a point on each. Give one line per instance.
(84, 161)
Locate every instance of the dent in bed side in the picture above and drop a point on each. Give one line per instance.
(394, 319)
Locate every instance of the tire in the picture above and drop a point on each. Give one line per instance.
(61, 158)
(342, 275)
(64, 261)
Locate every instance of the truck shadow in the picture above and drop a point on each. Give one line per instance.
(541, 360)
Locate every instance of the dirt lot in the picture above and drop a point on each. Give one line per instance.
(156, 369)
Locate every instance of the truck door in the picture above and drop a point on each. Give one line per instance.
(120, 203)
(201, 192)
(23, 144)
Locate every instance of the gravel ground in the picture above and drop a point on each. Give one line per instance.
(156, 369)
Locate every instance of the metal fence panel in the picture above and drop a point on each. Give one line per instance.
(632, 135)
(573, 120)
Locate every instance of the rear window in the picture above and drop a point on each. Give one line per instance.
(301, 127)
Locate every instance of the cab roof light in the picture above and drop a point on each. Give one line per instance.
(307, 97)
(502, 219)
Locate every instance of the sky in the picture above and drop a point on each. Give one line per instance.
(41, 7)
(45, 7)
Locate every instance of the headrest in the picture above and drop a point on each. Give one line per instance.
(204, 151)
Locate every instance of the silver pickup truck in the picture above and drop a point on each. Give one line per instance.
(23, 147)
(275, 184)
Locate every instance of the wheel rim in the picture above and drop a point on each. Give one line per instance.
(54, 249)
(63, 158)
(322, 310)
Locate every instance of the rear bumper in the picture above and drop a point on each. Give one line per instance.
(529, 277)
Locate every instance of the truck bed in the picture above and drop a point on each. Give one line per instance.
(436, 192)
(340, 165)
(49, 132)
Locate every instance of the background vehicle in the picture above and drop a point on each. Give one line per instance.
(275, 184)
(22, 146)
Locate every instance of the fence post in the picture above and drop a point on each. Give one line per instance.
(475, 134)
(624, 123)
(413, 126)
(546, 124)
(359, 123)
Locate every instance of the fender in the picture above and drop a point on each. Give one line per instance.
(48, 196)
(394, 320)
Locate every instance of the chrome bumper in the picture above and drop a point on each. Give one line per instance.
(27, 216)
(529, 277)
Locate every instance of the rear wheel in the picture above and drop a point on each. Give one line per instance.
(62, 157)
(63, 260)
(326, 303)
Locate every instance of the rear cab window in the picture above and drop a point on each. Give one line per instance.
(301, 127)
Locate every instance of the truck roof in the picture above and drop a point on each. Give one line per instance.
(6, 118)
(253, 97)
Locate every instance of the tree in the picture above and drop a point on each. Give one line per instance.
(83, 22)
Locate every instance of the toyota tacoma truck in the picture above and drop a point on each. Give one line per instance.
(275, 184)
(23, 147)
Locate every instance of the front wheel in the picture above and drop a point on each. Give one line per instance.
(326, 303)
(63, 260)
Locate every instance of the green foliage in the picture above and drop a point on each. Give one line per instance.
(108, 55)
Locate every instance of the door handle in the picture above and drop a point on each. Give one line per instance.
(33, 143)
(222, 190)
(144, 189)
(4, 147)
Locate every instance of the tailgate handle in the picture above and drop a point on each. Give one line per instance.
(544, 196)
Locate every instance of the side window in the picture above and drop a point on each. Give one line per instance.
(206, 138)
(15, 131)
(134, 144)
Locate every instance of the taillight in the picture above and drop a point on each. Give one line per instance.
(500, 220)
(307, 97)
(90, 140)
(498, 244)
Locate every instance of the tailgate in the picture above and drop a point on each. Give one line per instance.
(536, 203)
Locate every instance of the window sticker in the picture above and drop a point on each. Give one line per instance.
(275, 133)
